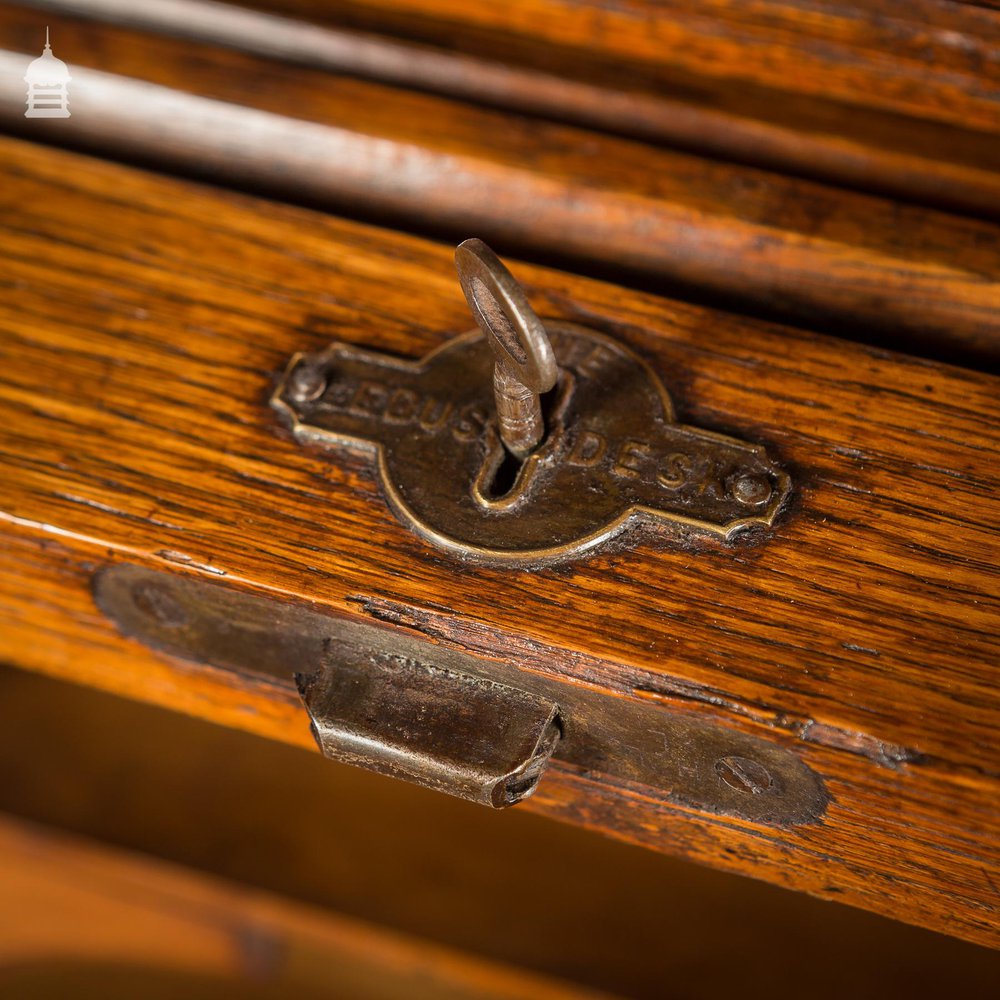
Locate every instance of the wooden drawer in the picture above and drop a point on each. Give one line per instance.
(138, 430)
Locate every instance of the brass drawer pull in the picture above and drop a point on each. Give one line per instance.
(451, 731)
(389, 700)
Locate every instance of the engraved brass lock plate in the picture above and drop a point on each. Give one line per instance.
(557, 459)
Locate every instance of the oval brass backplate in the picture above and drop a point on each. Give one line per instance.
(613, 452)
(381, 697)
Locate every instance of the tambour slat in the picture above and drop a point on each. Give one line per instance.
(885, 95)
(852, 264)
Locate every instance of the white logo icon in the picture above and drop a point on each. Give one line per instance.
(47, 78)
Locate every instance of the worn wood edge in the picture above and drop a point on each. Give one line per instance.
(172, 917)
(885, 152)
(839, 259)
(261, 706)
(445, 873)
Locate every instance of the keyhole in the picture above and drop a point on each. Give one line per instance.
(500, 483)
(504, 476)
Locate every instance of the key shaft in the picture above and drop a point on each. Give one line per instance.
(525, 365)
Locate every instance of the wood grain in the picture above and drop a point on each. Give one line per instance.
(80, 917)
(893, 55)
(895, 97)
(856, 265)
(143, 322)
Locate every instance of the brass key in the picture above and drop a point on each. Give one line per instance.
(525, 366)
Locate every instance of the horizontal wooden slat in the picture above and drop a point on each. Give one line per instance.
(857, 265)
(890, 96)
(143, 321)
(77, 915)
(929, 58)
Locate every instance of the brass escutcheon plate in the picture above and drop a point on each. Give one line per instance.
(613, 454)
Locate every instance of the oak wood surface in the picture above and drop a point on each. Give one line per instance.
(930, 59)
(889, 96)
(857, 265)
(875, 52)
(511, 887)
(143, 322)
(78, 918)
